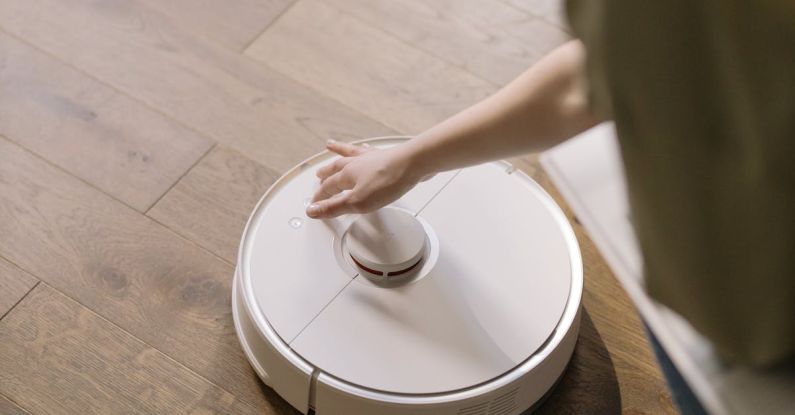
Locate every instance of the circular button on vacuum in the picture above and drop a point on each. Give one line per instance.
(389, 242)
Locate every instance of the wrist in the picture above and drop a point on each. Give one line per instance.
(415, 160)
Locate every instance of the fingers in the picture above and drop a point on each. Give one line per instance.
(346, 149)
(331, 186)
(329, 200)
(331, 207)
(326, 171)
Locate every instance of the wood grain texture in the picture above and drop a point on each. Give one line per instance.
(148, 327)
(232, 23)
(553, 11)
(493, 40)
(152, 283)
(229, 97)
(10, 408)
(374, 72)
(107, 139)
(59, 357)
(211, 204)
(14, 284)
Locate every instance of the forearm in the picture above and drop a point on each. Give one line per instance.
(542, 107)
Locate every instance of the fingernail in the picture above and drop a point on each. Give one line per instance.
(331, 141)
(313, 210)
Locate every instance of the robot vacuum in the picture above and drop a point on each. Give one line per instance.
(461, 298)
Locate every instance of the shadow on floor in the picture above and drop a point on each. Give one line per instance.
(277, 403)
(589, 385)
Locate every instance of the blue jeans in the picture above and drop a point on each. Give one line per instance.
(681, 393)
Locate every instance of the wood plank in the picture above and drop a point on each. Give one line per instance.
(14, 284)
(107, 139)
(211, 204)
(366, 68)
(493, 40)
(232, 23)
(553, 11)
(221, 93)
(60, 357)
(152, 283)
(10, 408)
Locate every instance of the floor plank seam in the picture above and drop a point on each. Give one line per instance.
(63, 170)
(40, 280)
(112, 87)
(270, 24)
(519, 9)
(413, 46)
(181, 176)
(24, 296)
(397, 130)
(94, 188)
(144, 342)
(192, 242)
(16, 403)
(179, 122)
(564, 27)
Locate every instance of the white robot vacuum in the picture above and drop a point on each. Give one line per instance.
(461, 298)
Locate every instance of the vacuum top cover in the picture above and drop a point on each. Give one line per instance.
(456, 283)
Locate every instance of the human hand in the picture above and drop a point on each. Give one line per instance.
(363, 180)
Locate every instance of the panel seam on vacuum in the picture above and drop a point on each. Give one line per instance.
(437, 193)
(289, 343)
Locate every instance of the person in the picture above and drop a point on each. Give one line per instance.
(703, 98)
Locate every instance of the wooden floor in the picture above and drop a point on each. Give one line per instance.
(135, 137)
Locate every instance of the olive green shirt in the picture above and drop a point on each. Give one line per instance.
(703, 97)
